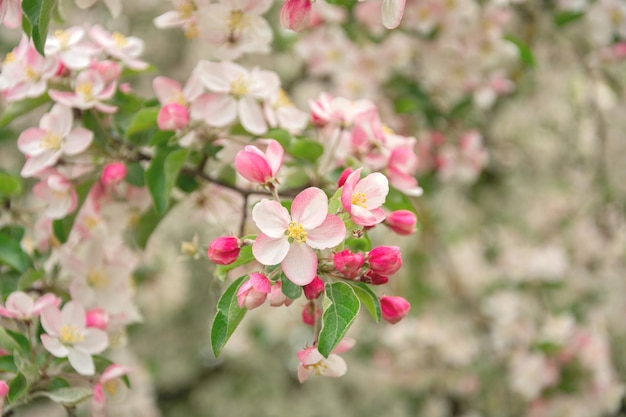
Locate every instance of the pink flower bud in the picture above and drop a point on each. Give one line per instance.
(308, 314)
(173, 116)
(98, 318)
(394, 308)
(276, 297)
(113, 173)
(385, 260)
(295, 14)
(254, 291)
(344, 176)
(224, 250)
(258, 166)
(371, 277)
(402, 222)
(314, 289)
(4, 389)
(109, 70)
(347, 263)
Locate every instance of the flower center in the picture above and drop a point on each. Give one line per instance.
(31, 74)
(98, 279)
(237, 20)
(119, 39)
(282, 100)
(10, 57)
(359, 199)
(296, 232)
(63, 37)
(186, 9)
(70, 334)
(111, 387)
(192, 31)
(51, 141)
(239, 86)
(85, 90)
(319, 368)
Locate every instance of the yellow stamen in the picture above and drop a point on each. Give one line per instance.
(319, 368)
(359, 199)
(296, 231)
(31, 74)
(98, 278)
(189, 248)
(237, 20)
(112, 386)
(85, 90)
(192, 31)
(91, 222)
(186, 10)
(9, 58)
(119, 39)
(63, 37)
(70, 334)
(283, 99)
(239, 86)
(51, 141)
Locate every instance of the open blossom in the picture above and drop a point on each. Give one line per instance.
(363, 198)
(236, 27)
(258, 166)
(54, 138)
(125, 48)
(289, 240)
(70, 47)
(58, 194)
(25, 73)
(235, 93)
(175, 101)
(312, 361)
(110, 385)
(67, 336)
(280, 111)
(22, 306)
(90, 89)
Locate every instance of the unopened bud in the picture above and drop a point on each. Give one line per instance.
(347, 263)
(113, 173)
(253, 292)
(224, 250)
(98, 318)
(394, 308)
(314, 289)
(385, 260)
(403, 222)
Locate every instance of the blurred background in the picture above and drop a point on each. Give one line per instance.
(517, 275)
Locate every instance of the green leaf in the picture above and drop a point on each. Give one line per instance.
(39, 13)
(58, 382)
(525, 53)
(22, 107)
(144, 120)
(245, 257)
(62, 227)
(28, 278)
(187, 182)
(10, 185)
(367, 298)
(18, 387)
(290, 289)
(228, 316)
(281, 136)
(308, 150)
(21, 340)
(67, 396)
(7, 342)
(7, 364)
(341, 306)
(161, 137)
(135, 174)
(11, 254)
(565, 18)
(162, 173)
(397, 200)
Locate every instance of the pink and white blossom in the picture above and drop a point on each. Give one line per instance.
(11, 13)
(125, 48)
(363, 198)
(53, 139)
(71, 47)
(290, 240)
(22, 306)
(58, 194)
(90, 89)
(258, 166)
(312, 361)
(67, 336)
(235, 94)
(109, 385)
